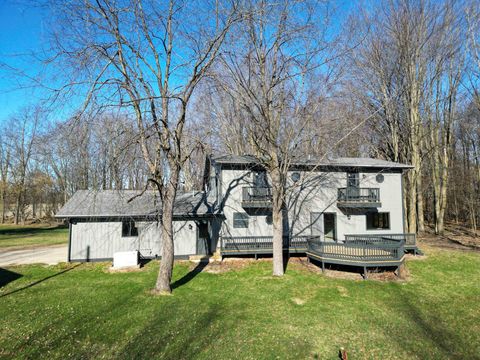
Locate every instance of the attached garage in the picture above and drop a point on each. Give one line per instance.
(104, 222)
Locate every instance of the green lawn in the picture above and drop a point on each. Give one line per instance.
(81, 311)
(30, 235)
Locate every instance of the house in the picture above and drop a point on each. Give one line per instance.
(344, 211)
(108, 221)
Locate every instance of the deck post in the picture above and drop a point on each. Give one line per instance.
(364, 272)
(323, 267)
(256, 257)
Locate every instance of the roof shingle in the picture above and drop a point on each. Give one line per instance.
(323, 162)
(115, 203)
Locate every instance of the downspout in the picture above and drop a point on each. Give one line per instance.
(403, 203)
(69, 240)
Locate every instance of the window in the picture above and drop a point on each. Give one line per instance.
(129, 229)
(240, 220)
(295, 176)
(378, 221)
(353, 180)
(269, 219)
(260, 179)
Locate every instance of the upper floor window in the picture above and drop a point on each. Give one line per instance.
(260, 179)
(378, 220)
(353, 180)
(240, 220)
(129, 229)
(295, 176)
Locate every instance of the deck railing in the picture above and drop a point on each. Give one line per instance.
(409, 239)
(366, 251)
(359, 251)
(359, 195)
(255, 193)
(260, 244)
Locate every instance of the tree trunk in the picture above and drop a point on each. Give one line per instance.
(420, 211)
(166, 265)
(4, 205)
(17, 209)
(277, 219)
(443, 194)
(411, 202)
(417, 150)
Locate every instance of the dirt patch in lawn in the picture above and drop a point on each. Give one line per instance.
(301, 264)
(230, 264)
(112, 270)
(345, 272)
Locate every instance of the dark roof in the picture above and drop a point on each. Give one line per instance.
(115, 203)
(235, 159)
(361, 162)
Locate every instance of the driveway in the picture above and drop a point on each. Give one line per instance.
(50, 255)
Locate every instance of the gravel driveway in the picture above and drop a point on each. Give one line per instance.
(50, 255)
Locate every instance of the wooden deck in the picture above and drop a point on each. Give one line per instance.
(252, 245)
(358, 253)
(410, 240)
(361, 251)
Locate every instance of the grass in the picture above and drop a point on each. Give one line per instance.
(32, 235)
(81, 311)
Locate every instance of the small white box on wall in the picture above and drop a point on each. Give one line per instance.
(124, 259)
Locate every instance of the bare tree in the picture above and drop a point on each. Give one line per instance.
(410, 66)
(447, 72)
(265, 76)
(23, 137)
(147, 57)
(5, 152)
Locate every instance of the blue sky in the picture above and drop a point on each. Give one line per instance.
(22, 30)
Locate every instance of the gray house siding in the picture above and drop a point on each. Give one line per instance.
(315, 193)
(203, 218)
(99, 240)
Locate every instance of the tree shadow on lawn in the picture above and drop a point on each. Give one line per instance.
(173, 333)
(78, 331)
(190, 275)
(7, 276)
(433, 328)
(39, 281)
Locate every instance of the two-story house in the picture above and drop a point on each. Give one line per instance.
(341, 211)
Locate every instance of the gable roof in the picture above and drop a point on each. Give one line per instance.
(115, 203)
(361, 162)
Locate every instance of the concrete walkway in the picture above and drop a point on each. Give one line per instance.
(50, 255)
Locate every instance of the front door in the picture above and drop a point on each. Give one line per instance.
(203, 238)
(329, 226)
